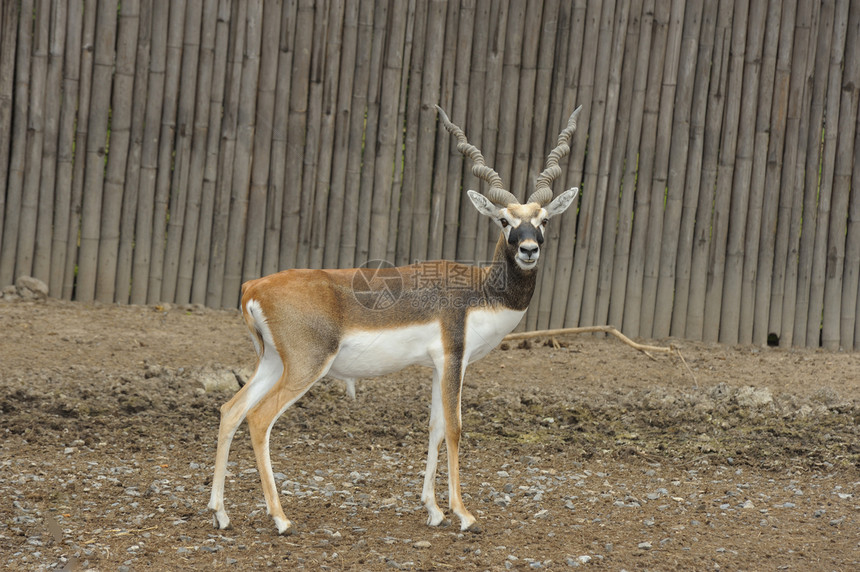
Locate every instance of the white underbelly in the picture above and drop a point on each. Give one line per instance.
(378, 352)
(485, 328)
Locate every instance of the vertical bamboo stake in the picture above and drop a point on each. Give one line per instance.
(15, 180)
(488, 234)
(677, 164)
(849, 149)
(226, 158)
(277, 171)
(621, 260)
(766, 273)
(459, 107)
(200, 142)
(65, 148)
(296, 128)
(131, 193)
(120, 136)
(554, 77)
(149, 154)
(829, 242)
(568, 225)
(166, 141)
(312, 134)
(810, 155)
(8, 39)
(35, 141)
(222, 16)
(331, 75)
(349, 233)
(755, 218)
(477, 70)
(633, 301)
(791, 191)
(739, 190)
(600, 145)
(505, 145)
(342, 120)
(699, 259)
(246, 122)
(80, 147)
(183, 139)
(432, 68)
(103, 59)
(53, 91)
(387, 133)
(263, 142)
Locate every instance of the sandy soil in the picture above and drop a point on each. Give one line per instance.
(587, 455)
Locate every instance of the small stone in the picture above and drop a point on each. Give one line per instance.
(584, 559)
(644, 546)
(421, 544)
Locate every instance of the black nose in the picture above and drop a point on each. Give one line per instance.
(529, 251)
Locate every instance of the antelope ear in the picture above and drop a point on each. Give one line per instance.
(484, 205)
(561, 202)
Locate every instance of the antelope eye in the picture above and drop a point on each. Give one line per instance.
(544, 222)
(503, 222)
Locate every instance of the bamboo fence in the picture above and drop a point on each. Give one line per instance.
(168, 151)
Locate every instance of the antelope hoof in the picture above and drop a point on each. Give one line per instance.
(285, 527)
(221, 521)
(473, 528)
(436, 517)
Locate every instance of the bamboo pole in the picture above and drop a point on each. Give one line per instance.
(196, 178)
(699, 262)
(131, 192)
(442, 219)
(739, 190)
(80, 147)
(454, 205)
(264, 147)
(799, 291)
(387, 132)
(223, 18)
(17, 154)
(776, 145)
(182, 144)
(167, 136)
(660, 176)
(120, 137)
(567, 226)
(849, 147)
(634, 304)
(48, 180)
(149, 154)
(554, 77)
(296, 128)
(639, 80)
(342, 120)
(312, 151)
(349, 233)
(226, 159)
(511, 70)
(601, 142)
(425, 136)
(103, 62)
(676, 164)
(245, 126)
(319, 213)
(830, 232)
(35, 141)
(63, 212)
(755, 212)
(8, 40)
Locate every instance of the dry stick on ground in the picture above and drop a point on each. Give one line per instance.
(608, 330)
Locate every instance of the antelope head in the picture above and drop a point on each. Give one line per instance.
(523, 225)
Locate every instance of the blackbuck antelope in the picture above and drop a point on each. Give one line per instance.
(365, 322)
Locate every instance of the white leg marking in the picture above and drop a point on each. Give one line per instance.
(437, 433)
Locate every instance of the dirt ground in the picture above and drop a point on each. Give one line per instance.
(588, 455)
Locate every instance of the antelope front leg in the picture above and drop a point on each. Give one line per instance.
(437, 432)
(451, 390)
